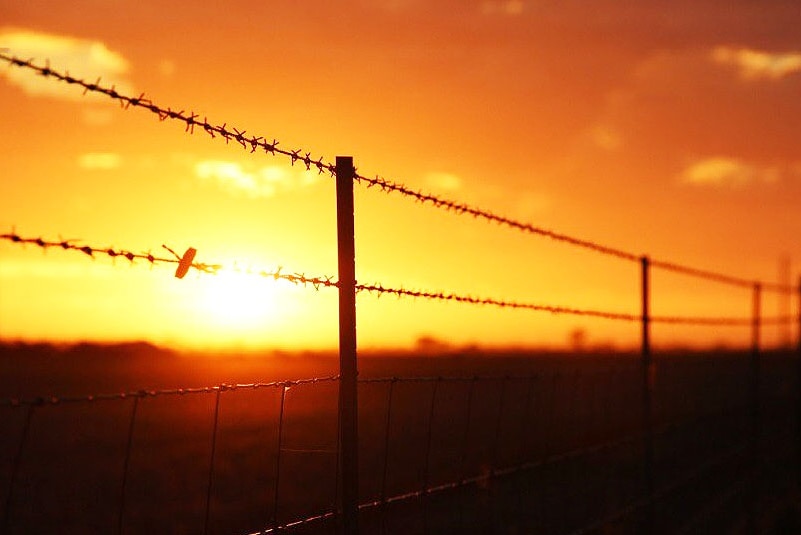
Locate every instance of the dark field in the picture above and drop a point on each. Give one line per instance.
(541, 443)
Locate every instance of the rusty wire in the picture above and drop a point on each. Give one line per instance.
(378, 289)
(254, 143)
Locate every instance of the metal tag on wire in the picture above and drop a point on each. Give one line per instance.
(185, 263)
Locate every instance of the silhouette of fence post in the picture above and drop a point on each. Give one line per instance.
(755, 409)
(647, 401)
(348, 416)
(798, 386)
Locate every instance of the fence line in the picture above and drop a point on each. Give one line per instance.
(347, 441)
(497, 469)
(151, 393)
(642, 503)
(377, 288)
(200, 267)
(254, 142)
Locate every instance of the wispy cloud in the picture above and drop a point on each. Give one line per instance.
(505, 7)
(99, 161)
(166, 67)
(237, 179)
(756, 64)
(530, 204)
(83, 58)
(728, 172)
(443, 181)
(606, 137)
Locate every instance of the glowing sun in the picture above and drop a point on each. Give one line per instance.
(238, 302)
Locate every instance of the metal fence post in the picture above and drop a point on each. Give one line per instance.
(647, 395)
(755, 408)
(798, 385)
(279, 447)
(348, 415)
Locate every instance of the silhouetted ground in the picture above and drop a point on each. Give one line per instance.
(577, 417)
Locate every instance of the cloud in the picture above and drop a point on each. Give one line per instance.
(166, 67)
(505, 7)
(268, 181)
(530, 204)
(723, 171)
(606, 137)
(96, 116)
(83, 58)
(99, 161)
(443, 181)
(756, 64)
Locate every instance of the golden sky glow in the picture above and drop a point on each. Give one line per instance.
(671, 130)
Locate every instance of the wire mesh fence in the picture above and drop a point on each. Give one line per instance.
(557, 451)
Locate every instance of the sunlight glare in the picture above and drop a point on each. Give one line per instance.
(234, 301)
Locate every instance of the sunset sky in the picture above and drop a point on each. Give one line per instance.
(663, 128)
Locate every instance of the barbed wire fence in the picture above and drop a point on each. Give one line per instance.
(346, 507)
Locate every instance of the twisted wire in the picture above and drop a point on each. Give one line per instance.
(480, 213)
(719, 277)
(190, 119)
(150, 258)
(501, 303)
(378, 289)
(254, 143)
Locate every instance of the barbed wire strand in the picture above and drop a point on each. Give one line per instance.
(376, 288)
(254, 143)
(152, 259)
(190, 119)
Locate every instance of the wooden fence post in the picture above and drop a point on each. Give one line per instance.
(348, 371)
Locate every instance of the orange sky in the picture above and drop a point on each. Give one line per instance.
(662, 128)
